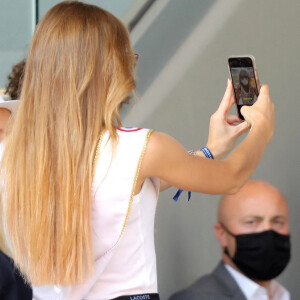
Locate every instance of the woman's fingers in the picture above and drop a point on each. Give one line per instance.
(241, 128)
(264, 90)
(227, 100)
(231, 119)
(263, 108)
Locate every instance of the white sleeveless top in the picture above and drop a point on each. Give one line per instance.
(123, 225)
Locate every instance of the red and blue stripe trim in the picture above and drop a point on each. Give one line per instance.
(129, 129)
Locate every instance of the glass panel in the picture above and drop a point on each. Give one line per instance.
(117, 7)
(16, 27)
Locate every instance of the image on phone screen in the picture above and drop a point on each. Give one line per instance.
(244, 85)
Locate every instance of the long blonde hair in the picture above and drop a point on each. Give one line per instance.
(79, 71)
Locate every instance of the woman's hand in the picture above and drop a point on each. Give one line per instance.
(223, 131)
(261, 113)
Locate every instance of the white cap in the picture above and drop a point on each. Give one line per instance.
(11, 105)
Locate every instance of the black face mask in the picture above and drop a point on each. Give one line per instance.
(261, 256)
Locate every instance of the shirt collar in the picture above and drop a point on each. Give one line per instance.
(250, 288)
(279, 292)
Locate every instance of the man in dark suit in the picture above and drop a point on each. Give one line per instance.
(253, 231)
(12, 285)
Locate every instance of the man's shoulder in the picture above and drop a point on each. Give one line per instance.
(199, 290)
(6, 270)
(217, 285)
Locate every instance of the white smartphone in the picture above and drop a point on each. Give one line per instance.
(246, 86)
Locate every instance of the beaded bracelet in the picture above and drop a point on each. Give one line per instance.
(207, 152)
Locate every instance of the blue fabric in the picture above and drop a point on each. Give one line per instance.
(179, 192)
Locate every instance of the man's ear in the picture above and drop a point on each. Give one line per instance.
(220, 234)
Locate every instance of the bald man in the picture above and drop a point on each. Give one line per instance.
(253, 232)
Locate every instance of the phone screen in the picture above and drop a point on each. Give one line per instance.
(244, 81)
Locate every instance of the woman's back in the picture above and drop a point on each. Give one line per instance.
(123, 224)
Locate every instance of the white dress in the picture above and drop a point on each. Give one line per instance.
(123, 226)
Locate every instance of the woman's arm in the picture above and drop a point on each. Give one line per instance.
(167, 159)
(165, 185)
(223, 130)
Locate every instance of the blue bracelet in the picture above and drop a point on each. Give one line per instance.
(207, 154)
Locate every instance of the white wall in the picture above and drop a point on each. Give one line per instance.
(182, 100)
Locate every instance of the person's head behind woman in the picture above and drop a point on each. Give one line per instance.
(78, 73)
(15, 78)
(244, 78)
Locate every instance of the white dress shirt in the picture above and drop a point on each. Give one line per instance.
(254, 291)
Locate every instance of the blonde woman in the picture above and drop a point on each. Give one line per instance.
(81, 191)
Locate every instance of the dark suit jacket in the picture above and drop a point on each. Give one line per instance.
(12, 286)
(219, 285)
